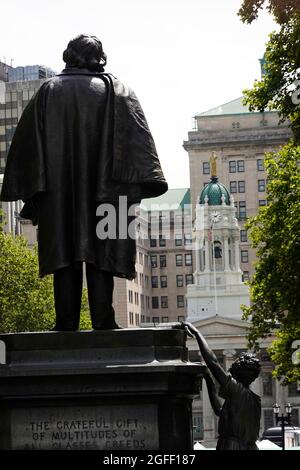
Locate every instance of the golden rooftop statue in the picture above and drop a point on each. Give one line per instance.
(213, 164)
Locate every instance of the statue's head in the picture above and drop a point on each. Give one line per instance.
(245, 369)
(85, 51)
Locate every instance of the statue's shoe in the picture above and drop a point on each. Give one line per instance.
(108, 326)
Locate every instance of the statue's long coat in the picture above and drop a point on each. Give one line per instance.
(83, 139)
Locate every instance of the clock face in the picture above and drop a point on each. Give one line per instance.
(215, 217)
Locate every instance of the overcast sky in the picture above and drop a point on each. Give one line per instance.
(180, 56)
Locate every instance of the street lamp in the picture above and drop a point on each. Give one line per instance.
(284, 420)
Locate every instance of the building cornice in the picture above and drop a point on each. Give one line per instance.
(234, 141)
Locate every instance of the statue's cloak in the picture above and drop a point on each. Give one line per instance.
(82, 140)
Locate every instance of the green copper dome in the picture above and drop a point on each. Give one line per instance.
(214, 192)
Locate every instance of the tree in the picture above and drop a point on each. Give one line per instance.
(274, 288)
(279, 88)
(26, 301)
(275, 231)
(281, 9)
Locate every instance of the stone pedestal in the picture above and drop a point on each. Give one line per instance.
(112, 390)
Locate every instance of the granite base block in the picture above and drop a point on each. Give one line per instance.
(128, 389)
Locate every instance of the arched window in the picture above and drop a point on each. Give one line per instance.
(217, 250)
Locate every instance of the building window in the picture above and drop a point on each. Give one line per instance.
(243, 236)
(153, 242)
(295, 417)
(141, 258)
(130, 297)
(232, 167)
(163, 261)
(244, 256)
(262, 202)
(268, 415)
(260, 164)
(245, 276)
(137, 319)
(233, 187)
(236, 209)
(242, 210)
(154, 281)
(164, 301)
(197, 426)
(267, 384)
(163, 281)
(206, 168)
(292, 389)
(153, 261)
(261, 185)
(155, 319)
(155, 302)
(142, 318)
(240, 166)
(180, 318)
(164, 319)
(188, 239)
(188, 279)
(179, 260)
(188, 259)
(178, 239)
(242, 186)
(131, 318)
(179, 280)
(162, 240)
(180, 301)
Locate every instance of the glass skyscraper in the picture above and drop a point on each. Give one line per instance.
(29, 72)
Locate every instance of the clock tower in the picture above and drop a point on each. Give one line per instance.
(218, 288)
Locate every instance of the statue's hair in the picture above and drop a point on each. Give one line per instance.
(85, 51)
(246, 368)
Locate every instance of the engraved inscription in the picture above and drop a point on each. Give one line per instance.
(100, 427)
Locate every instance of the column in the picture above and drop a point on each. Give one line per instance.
(229, 357)
(209, 420)
(207, 257)
(237, 254)
(226, 254)
(197, 254)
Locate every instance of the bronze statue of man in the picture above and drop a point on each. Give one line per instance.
(82, 141)
(239, 416)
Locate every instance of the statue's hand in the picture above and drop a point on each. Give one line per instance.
(189, 328)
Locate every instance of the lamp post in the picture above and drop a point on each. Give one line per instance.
(284, 420)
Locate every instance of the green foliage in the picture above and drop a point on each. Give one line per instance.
(85, 319)
(26, 301)
(275, 231)
(277, 88)
(282, 10)
(274, 288)
(281, 352)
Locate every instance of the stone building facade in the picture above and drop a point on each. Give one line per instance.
(240, 139)
(164, 263)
